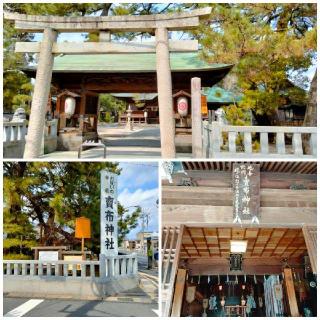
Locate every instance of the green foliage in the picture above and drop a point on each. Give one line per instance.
(42, 200)
(126, 221)
(265, 43)
(237, 115)
(110, 105)
(14, 256)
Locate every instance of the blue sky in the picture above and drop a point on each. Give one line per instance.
(138, 185)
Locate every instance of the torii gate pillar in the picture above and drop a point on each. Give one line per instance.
(33, 148)
(164, 83)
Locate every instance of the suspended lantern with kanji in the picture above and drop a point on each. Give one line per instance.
(69, 107)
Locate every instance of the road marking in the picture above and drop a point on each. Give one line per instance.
(156, 312)
(24, 308)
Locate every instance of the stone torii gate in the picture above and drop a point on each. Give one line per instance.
(50, 26)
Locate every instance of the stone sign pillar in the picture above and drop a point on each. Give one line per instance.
(33, 148)
(108, 214)
(164, 83)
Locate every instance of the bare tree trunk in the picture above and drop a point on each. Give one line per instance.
(310, 119)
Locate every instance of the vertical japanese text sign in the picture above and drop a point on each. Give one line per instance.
(109, 214)
(246, 191)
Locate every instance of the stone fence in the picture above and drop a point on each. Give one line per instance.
(72, 279)
(105, 268)
(14, 137)
(221, 141)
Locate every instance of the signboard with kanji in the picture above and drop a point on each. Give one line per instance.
(109, 214)
(246, 192)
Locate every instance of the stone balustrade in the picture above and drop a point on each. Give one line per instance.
(221, 141)
(110, 267)
(14, 137)
(14, 131)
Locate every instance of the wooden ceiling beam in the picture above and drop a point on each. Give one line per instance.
(194, 245)
(212, 178)
(197, 215)
(267, 242)
(205, 239)
(194, 195)
(292, 241)
(283, 236)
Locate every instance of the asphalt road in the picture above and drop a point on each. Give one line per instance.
(76, 308)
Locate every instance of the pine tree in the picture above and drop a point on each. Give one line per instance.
(266, 43)
(43, 199)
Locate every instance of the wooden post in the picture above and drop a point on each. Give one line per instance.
(288, 279)
(82, 111)
(82, 249)
(196, 118)
(164, 83)
(310, 237)
(178, 293)
(40, 95)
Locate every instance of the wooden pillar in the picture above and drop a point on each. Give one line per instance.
(178, 293)
(288, 279)
(310, 237)
(40, 95)
(82, 111)
(196, 118)
(164, 84)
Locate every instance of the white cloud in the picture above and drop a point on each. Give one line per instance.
(136, 175)
(147, 199)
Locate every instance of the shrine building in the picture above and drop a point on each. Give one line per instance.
(239, 239)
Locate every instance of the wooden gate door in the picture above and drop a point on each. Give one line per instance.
(310, 237)
(171, 244)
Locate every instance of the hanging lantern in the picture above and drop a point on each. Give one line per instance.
(182, 105)
(69, 107)
(208, 279)
(255, 279)
(199, 279)
(218, 279)
(245, 278)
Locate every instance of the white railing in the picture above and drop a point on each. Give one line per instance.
(223, 141)
(17, 130)
(120, 266)
(14, 131)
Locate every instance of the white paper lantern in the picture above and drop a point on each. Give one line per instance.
(182, 104)
(69, 106)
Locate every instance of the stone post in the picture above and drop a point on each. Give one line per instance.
(40, 95)
(196, 118)
(164, 83)
(102, 265)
